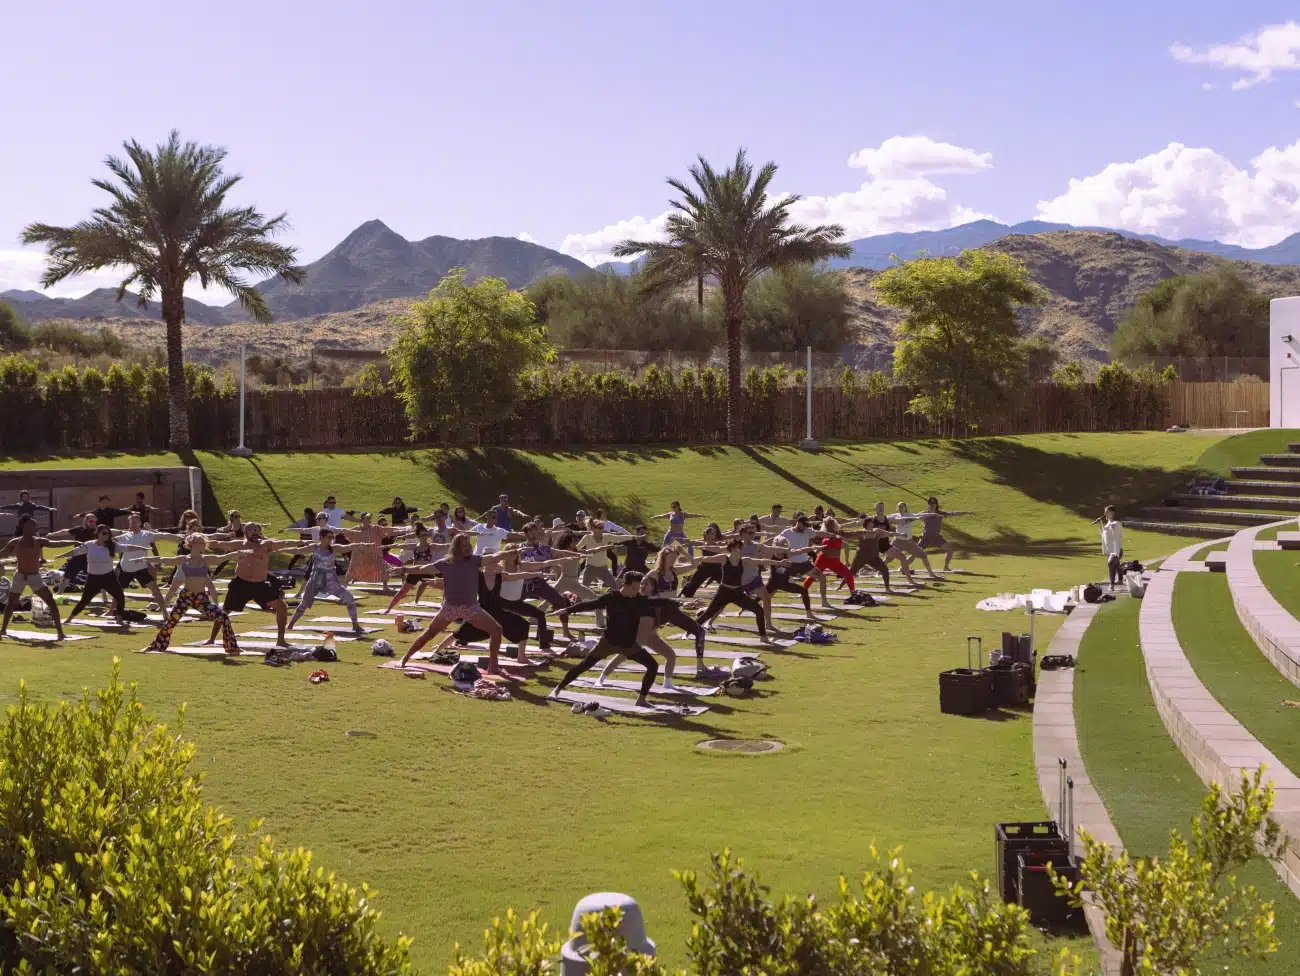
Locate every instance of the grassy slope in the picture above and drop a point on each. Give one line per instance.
(460, 808)
(1277, 570)
(1146, 784)
(1244, 450)
(1232, 667)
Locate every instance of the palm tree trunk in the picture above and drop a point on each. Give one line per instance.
(173, 312)
(733, 303)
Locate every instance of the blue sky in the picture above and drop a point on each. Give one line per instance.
(560, 121)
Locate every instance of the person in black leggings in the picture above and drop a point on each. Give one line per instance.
(779, 579)
(873, 542)
(101, 574)
(731, 588)
(705, 572)
(624, 607)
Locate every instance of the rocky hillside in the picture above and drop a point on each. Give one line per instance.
(1092, 279)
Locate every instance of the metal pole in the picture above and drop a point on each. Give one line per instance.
(808, 443)
(241, 450)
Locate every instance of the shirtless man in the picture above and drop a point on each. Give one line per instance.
(775, 522)
(27, 547)
(252, 582)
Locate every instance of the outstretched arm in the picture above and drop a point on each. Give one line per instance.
(596, 604)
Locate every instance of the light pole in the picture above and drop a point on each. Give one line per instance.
(809, 443)
(241, 450)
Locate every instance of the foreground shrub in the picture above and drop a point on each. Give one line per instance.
(111, 863)
(883, 926)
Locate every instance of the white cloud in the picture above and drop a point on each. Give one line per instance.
(523, 235)
(1207, 86)
(903, 157)
(1182, 191)
(1258, 55)
(22, 269)
(898, 197)
(594, 248)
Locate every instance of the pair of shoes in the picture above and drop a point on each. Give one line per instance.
(594, 709)
(316, 677)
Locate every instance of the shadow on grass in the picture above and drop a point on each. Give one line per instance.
(1007, 541)
(766, 462)
(479, 475)
(1080, 484)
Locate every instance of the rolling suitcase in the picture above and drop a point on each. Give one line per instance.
(968, 690)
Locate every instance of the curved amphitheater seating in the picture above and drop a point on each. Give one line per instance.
(1269, 624)
(1219, 747)
(1055, 738)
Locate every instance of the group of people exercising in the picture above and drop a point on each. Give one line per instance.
(493, 576)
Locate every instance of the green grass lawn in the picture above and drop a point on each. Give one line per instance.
(1279, 570)
(1270, 534)
(458, 808)
(1146, 784)
(1232, 667)
(1243, 450)
(1216, 547)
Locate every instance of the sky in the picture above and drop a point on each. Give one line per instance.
(559, 122)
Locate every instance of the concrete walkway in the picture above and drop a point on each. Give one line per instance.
(1219, 747)
(1272, 627)
(1055, 739)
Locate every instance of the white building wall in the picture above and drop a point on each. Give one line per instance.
(1284, 362)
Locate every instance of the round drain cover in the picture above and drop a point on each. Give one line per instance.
(752, 747)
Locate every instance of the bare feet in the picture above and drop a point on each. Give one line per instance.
(209, 642)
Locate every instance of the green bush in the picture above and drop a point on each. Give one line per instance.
(883, 926)
(13, 334)
(110, 861)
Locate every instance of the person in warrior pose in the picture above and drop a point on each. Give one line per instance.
(460, 570)
(775, 522)
(504, 513)
(324, 578)
(904, 524)
(932, 533)
(830, 558)
(134, 568)
(786, 578)
(667, 613)
(27, 546)
(76, 565)
(596, 545)
(570, 581)
(705, 571)
(506, 580)
(196, 589)
(538, 550)
(399, 510)
(637, 550)
(800, 537)
(25, 506)
(414, 573)
(101, 574)
(625, 606)
(252, 582)
(731, 590)
(677, 526)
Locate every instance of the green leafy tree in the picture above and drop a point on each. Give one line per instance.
(167, 224)
(369, 381)
(724, 227)
(1164, 914)
(461, 353)
(797, 306)
(959, 345)
(14, 336)
(1215, 314)
(604, 310)
(1069, 374)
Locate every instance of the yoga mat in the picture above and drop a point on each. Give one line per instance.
(724, 653)
(680, 691)
(46, 638)
(627, 706)
(445, 669)
(376, 621)
(189, 650)
(742, 641)
(298, 633)
(335, 629)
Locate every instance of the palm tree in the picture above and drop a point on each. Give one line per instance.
(724, 227)
(167, 224)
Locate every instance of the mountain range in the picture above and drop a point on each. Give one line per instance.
(881, 250)
(371, 264)
(1093, 276)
